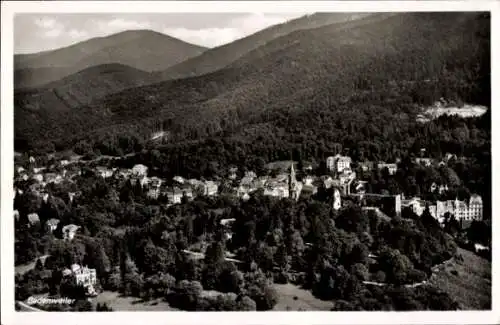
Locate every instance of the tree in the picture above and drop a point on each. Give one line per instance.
(186, 295)
(245, 303)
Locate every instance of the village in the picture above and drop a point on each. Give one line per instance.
(341, 178)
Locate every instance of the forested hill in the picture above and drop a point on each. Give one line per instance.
(221, 56)
(375, 69)
(141, 49)
(81, 88)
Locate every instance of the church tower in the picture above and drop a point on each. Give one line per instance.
(292, 183)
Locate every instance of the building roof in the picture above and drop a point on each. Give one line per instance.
(70, 228)
(33, 218)
(53, 222)
(475, 199)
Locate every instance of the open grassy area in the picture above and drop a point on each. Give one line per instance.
(467, 281)
(119, 303)
(293, 298)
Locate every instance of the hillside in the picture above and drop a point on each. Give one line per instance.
(372, 69)
(81, 88)
(141, 49)
(36, 77)
(467, 280)
(221, 56)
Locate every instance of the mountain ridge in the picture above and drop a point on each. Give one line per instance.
(385, 62)
(141, 49)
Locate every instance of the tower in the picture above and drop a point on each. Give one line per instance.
(397, 207)
(336, 199)
(292, 183)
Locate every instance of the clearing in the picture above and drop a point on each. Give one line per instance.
(467, 281)
(120, 303)
(293, 298)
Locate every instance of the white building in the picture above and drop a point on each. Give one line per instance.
(211, 188)
(415, 204)
(51, 224)
(83, 276)
(140, 170)
(69, 231)
(338, 163)
(392, 168)
(33, 219)
(337, 203)
(459, 209)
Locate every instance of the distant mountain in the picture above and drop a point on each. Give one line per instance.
(375, 68)
(219, 57)
(141, 49)
(82, 87)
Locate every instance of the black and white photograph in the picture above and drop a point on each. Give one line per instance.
(290, 160)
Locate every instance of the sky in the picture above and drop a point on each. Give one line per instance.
(41, 32)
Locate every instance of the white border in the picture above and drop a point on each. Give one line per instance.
(9, 316)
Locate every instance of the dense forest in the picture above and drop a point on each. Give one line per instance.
(389, 72)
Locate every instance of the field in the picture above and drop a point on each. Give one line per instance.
(293, 298)
(467, 281)
(119, 303)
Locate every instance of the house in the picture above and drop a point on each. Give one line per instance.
(232, 173)
(82, 276)
(71, 196)
(308, 190)
(415, 204)
(179, 179)
(441, 188)
(153, 193)
(69, 231)
(104, 172)
(211, 188)
(366, 166)
(308, 180)
(277, 189)
(459, 209)
(51, 224)
(424, 161)
(475, 207)
(392, 168)
(33, 219)
(140, 170)
(175, 195)
(448, 156)
(338, 163)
